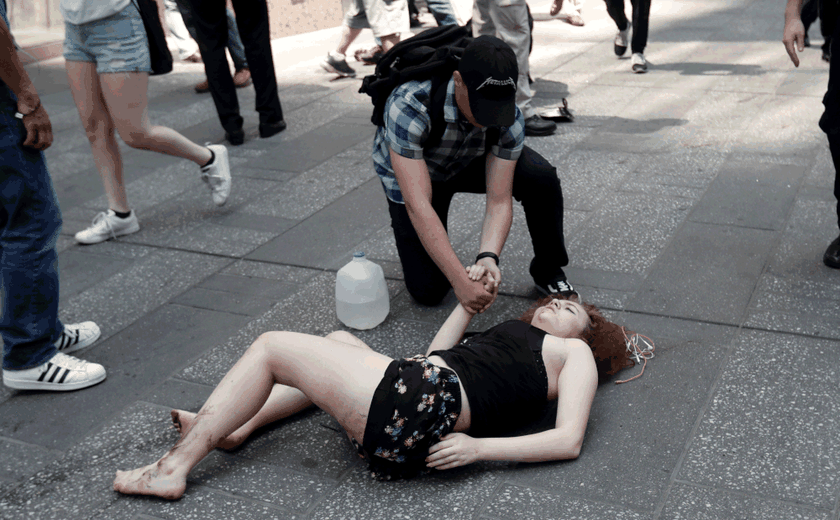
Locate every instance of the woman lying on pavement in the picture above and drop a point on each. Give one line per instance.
(406, 416)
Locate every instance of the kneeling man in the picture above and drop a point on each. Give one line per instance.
(420, 180)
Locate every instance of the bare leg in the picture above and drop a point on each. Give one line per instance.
(126, 96)
(348, 35)
(284, 401)
(389, 41)
(100, 129)
(338, 378)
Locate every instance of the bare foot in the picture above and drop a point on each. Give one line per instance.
(154, 479)
(183, 420)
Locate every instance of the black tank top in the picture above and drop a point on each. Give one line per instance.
(503, 376)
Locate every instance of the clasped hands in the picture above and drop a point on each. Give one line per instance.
(479, 289)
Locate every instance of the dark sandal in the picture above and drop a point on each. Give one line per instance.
(559, 114)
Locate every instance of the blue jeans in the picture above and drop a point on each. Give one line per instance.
(30, 221)
(234, 42)
(442, 11)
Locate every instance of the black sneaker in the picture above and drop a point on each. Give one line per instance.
(831, 258)
(557, 286)
(339, 67)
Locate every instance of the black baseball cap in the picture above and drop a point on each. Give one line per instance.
(489, 70)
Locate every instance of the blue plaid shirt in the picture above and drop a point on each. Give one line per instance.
(407, 125)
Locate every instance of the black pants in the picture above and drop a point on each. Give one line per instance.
(535, 185)
(641, 18)
(830, 120)
(212, 32)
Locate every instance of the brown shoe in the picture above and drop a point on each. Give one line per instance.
(203, 87)
(242, 78)
(195, 58)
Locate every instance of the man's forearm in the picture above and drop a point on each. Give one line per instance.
(497, 221)
(793, 9)
(12, 72)
(435, 240)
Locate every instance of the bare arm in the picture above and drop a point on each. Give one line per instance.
(12, 73)
(416, 187)
(794, 34)
(576, 388)
(452, 330)
(498, 212)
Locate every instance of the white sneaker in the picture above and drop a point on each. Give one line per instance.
(621, 39)
(62, 373)
(639, 63)
(77, 336)
(106, 226)
(217, 174)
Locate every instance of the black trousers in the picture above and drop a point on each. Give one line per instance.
(641, 19)
(535, 185)
(830, 120)
(212, 32)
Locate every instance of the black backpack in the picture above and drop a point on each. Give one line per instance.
(433, 54)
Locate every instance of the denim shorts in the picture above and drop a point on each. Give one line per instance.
(116, 43)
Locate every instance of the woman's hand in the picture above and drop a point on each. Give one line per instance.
(489, 271)
(453, 450)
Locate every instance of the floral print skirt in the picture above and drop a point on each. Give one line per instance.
(415, 404)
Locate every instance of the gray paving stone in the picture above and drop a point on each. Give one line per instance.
(154, 279)
(267, 483)
(236, 294)
(689, 502)
(178, 394)
(520, 503)
(587, 176)
(627, 419)
(325, 239)
(754, 195)
(19, 460)
(312, 148)
(811, 227)
(311, 444)
(80, 269)
(78, 485)
(707, 272)
(628, 233)
(141, 356)
(310, 192)
(283, 273)
(450, 495)
(767, 397)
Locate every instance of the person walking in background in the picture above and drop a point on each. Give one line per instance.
(242, 73)
(180, 36)
(508, 20)
(794, 39)
(107, 60)
(35, 342)
(387, 20)
(212, 29)
(639, 26)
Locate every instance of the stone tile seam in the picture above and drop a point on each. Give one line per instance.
(692, 434)
(574, 496)
(216, 491)
(232, 457)
(30, 445)
(745, 494)
(208, 308)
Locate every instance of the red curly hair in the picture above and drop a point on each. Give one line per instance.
(605, 338)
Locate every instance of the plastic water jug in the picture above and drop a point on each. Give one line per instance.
(361, 295)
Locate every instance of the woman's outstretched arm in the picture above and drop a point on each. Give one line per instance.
(576, 389)
(452, 330)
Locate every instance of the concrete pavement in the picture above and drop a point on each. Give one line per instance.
(698, 204)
